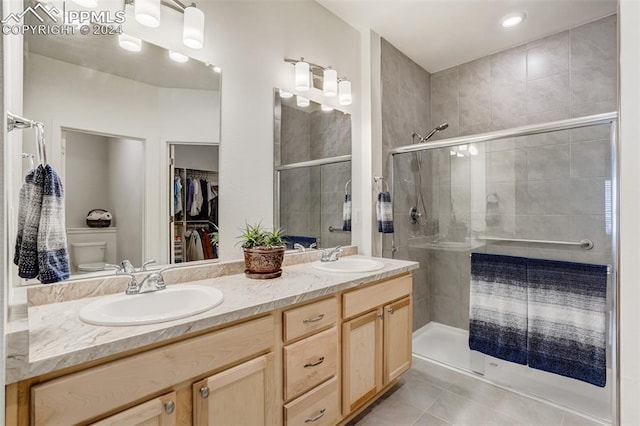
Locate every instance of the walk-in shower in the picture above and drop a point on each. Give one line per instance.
(545, 191)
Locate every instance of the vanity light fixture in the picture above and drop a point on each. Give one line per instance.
(130, 43)
(193, 27)
(303, 78)
(285, 95)
(326, 108)
(147, 12)
(308, 74)
(344, 92)
(330, 82)
(178, 57)
(512, 19)
(302, 102)
(91, 4)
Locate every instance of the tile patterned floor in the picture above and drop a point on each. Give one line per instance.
(433, 395)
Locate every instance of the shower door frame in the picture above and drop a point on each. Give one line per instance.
(610, 118)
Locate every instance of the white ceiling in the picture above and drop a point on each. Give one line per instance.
(439, 34)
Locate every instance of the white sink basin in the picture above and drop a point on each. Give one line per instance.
(347, 264)
(174, 302)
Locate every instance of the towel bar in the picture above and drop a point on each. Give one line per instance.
(584, 244)
(339, 230)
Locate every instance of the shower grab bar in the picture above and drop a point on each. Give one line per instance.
(585, 244)
(338, 230)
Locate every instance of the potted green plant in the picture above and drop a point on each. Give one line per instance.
(263, 251)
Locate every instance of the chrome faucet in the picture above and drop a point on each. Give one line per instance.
(152, 282)
(127, 267)
(331, 255)
(299, 247)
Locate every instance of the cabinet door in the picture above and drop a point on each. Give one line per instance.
(397, 339)
(362, 359)
(240, 396)
(160, 411)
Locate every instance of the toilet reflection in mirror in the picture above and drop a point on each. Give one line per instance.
(103, 176)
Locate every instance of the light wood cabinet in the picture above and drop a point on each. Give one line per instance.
(376, 344)
(361, 359)
(159, 411)
(243, 395)
(317, 363)
(398, 320)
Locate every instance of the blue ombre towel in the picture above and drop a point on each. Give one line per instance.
(346, 213)
(567, 319)
(384, 213)
(53, 258)
(498, 306)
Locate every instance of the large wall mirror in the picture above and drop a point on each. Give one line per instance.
(312, 173)
(131, 134)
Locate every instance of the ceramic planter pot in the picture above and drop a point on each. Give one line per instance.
(263, 262)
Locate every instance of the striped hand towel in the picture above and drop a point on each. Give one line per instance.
(346, 213)
(28, 253)
(384, 212)
(567, 316)
(25, 195)
(53, 258)
(498, 306)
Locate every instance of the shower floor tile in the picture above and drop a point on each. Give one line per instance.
(431, 394)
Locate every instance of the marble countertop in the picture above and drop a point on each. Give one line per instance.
(57, 338)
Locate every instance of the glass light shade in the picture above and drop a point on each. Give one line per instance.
(326, 108)
(86, 3)
(147, 12)
(130, 43)
(303, 78)
(285, 95)
(178, 57)
(330, 83)
(302, 102)
(193, 28)
(344, 92)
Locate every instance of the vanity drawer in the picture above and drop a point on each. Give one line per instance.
(307, 319)
(363, 300)
(309, 362)
(319, 407)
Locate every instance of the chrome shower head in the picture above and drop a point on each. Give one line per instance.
(422, 139)
(435, 130)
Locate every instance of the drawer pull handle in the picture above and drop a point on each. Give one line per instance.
(314, 319)
(204, 392)
(390, 310)
(169, 407)
(316, 418)
(313, 364)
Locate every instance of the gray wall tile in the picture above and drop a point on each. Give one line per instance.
(548, 162)
(548, 56)
(548, 93)
(509, 67)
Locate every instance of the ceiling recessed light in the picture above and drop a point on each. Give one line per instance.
(512, 19)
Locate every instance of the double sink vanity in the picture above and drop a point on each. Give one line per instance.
(314, 347)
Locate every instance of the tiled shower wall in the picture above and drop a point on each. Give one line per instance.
(550, 186)
(311, 198)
